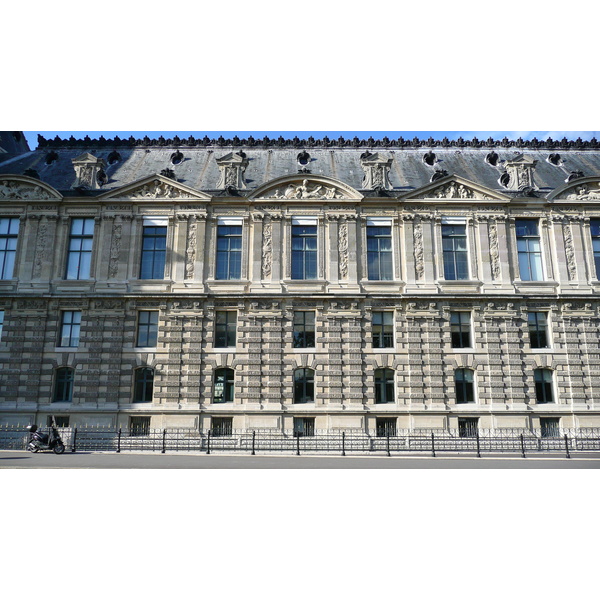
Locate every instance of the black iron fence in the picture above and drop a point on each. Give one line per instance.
(432, 442)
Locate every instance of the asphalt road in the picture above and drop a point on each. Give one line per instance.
(11, 459)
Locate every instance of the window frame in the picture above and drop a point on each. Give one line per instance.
(595, 235)
(64, 378)
(8, 254)
(79, 259)
(228, 261)
(228, 385)
(386, 427)
(221, 426)
(544, 386)
(466, 429)
(536, 331)
(526, 258)
(143, 386)
(304, 334)
(382, 267)
(307, 383)
(139, 425)
(462, 329)
(463, 387)
(69, 341)
(385, 385)
(379, 337)
(154, 256)
(304, 426)
(225, 333)
(149, 334)
(305, 260)
(2, 316)
(451, 265)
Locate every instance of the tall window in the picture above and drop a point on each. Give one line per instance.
(224, 385)
(383, 329)
(595, 230)
(467, 427)
(304, 426)
(69, 328)
(304, 329)
(384, 386)
(538, 329)
(543, 386)
(379, 253)
(304, 386)
(222, 426)
(143, 384)
(529, 249)
(79, 259)
(304, 251)
(154, 252)
(9, 232)
(147, 329)
(454, 245)
(460, 329)
(463, 384)
(225, 328)
(385, 427)
(63, 385)
(229, 252)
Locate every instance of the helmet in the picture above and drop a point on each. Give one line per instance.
(32, 428)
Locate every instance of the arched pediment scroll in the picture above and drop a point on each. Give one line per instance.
(455, 188)
(155, 187)
(583, 189)
(21, 187)
(296, 187)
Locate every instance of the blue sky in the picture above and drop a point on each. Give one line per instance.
(526, 135)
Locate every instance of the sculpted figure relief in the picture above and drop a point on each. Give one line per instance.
(13, 190)
(157, 189)
(305, 190)
(583, 193)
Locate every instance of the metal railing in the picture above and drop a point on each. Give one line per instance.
(432, 442)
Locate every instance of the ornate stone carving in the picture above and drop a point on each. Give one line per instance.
(343, 249)
(267, 250)
(494, 251)
(15, 190)
(570, 251)
(583, 193)
(376, 171)
(89, 171)
(418, 243)
(190, 251)
(232, 167)
(115, 250)
(40, 249)
(455, 190)
(306, 190)
(520, 171)
(157, 189)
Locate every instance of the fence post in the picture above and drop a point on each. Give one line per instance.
(343, 443)
(388, 444)
(253, 437)
(567, 446)
(119, 440)
(208, 443)
(297, 444)
(522, 447)
(432, 444)
(74, 439)
(164, 440)
(478, 448)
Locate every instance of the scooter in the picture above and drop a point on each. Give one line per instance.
(45, 441)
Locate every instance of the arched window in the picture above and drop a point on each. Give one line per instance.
(543, 386)
(224, 385)
(304, 386)
(63, 385)
(143, 384)
(384, 386)
(463, 383)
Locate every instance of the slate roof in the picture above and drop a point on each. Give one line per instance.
(267, 161)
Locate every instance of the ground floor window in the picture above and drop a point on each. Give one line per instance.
(385, 427)
(139, 426)
(550, 427)
(468, 427)
(222, 426)
(58, 421)
(304, 426)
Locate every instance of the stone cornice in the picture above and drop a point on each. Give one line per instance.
(325, 142)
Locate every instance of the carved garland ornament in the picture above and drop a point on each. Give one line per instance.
(494, 251)
(190, 252)
(267, 250)
(570, 251)
(40, 251)
(115, 250)
(419, 262)
(343, 250)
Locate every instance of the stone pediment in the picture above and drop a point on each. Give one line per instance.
(232, 157)
(584, 189)
(294, 187)
(155, 187)
(453, 187)
(20, 187)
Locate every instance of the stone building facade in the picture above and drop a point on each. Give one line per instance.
(301, 284)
